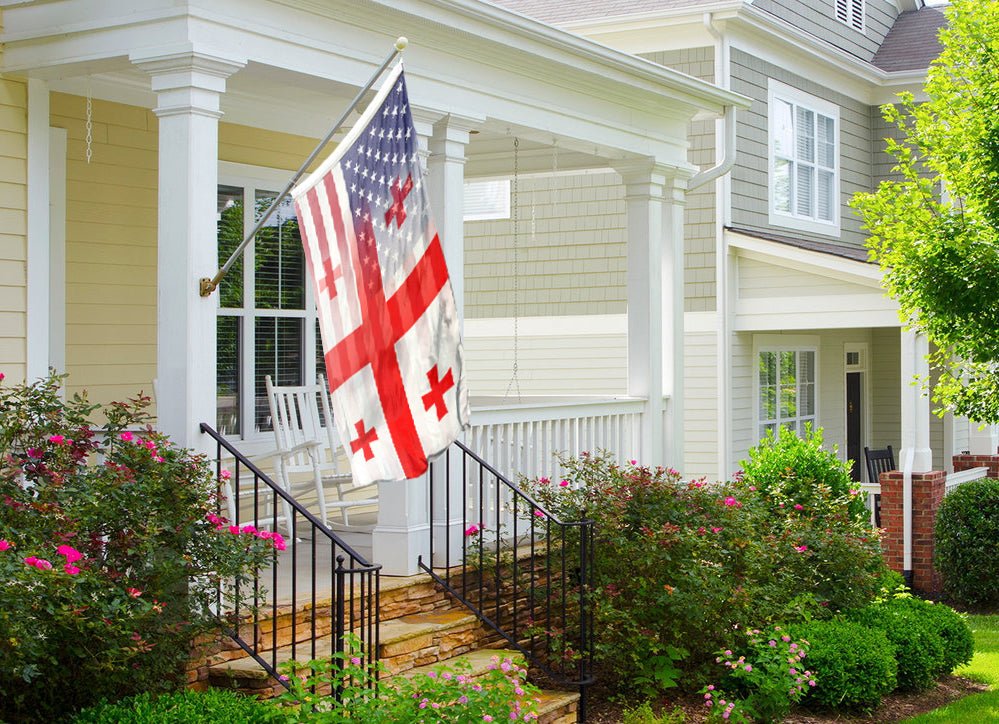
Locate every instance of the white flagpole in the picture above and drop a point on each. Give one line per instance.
(206, 285)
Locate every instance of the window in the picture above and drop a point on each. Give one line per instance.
(851, 12)
(486, 200)
(266, 319)
(804, 161)
(786, 389)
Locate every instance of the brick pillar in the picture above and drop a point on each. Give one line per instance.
(966, 462)
(927, 493)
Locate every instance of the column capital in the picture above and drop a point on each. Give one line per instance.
(186, 80)
(649, 178)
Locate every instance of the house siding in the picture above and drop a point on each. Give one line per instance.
(886, 388)
(700, 418)
(819, 19)
(14, 223)
(759, 280)
(111, 229)
(750, 189)
(883, 163)
(570, 244)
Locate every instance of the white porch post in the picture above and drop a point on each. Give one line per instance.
(188, 86)
(916, 455)
(447, 145)
(654, 196)
(38, 354)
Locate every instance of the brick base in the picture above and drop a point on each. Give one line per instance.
(966, 462)
(927, 493)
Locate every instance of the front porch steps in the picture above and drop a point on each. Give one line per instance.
(421, 628)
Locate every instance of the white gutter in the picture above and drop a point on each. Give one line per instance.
(907, 464)
(728, 159)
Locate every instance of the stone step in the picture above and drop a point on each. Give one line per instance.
(480, 661)
(405, 643)
(558, 707)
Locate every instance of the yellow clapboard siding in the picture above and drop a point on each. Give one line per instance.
(76, 153)
(111, 294)
(128, 255)
(13, 144)
(14, 372)
(120, 213)
(110, 314)
(88, 354)
(129, 329)
(14, 170)
(111, 274)
(119, 114)
(12, 299)
(128, 377)
(13, 196)
(76, 128)
(238, 136)
(13, 246)
(12, 273)
(125, 137)
(99, 172)
(13, 93)
(100, 192)
(13, 324)
(11, 350)
(14, 221)
(14, 118)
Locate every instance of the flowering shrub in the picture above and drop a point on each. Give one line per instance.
(447, 694)
(762, 684)
(678, 565)
(109, 553)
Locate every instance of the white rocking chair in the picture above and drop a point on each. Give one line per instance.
(306, 447)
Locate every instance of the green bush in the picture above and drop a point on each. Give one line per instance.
(967, 543)
(919, 648)
(214, 706)
(854, 665)
(110, 553)
(953, 630)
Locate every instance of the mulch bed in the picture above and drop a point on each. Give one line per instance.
(895, 707)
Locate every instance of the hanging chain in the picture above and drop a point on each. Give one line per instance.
(514, 380)
(90, 123)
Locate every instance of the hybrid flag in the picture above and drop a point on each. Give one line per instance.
(386, 309)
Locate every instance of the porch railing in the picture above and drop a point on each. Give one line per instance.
(317, 571)
(522, 438)
(519, 568)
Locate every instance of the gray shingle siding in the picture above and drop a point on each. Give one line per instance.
(881, 161)
(818, 18)
(750, 188)
(700, 211)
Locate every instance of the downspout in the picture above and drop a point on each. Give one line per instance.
(907, 465)
(725, 138)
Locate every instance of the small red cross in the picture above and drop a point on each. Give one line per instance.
(435, 398)
(330, 275)
(398, 208)
(364, 440)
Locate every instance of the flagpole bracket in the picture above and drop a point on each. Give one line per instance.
(206, 286)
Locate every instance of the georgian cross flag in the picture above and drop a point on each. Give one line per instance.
(386, 309)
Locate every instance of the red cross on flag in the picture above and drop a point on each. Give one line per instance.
(386, 309)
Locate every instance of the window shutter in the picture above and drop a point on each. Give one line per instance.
(857, 14)
(843, 11)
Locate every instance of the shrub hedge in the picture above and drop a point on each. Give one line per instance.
(967, 543)
(214, 706)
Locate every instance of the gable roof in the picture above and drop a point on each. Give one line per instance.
(912, 42)
(559, 11)
(845, 251)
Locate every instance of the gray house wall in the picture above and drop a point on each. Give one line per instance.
(818, 18)
(750, 188)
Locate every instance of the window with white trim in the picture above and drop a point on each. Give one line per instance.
(786, 390)
(851, 12)
(266, 320)
(804, 161)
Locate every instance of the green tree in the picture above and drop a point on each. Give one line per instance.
(935, 228)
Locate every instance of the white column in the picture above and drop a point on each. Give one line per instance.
(188, 86)
(402, 533)
(915, 454)
(38, 312)
(654, 196)
(447, 197)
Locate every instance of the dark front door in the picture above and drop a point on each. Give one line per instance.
(853, 432)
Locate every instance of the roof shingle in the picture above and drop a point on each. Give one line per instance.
(912, 42)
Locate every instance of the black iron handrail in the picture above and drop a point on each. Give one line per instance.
(519, 568)
(352, 586)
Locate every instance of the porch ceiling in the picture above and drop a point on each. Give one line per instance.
(304, 60)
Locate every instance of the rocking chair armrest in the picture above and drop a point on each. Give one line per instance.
(307, 446)
(351, 503)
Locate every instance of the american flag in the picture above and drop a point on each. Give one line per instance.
(389, 323)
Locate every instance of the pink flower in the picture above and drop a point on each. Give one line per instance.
(539, 513)
(30, 560)
(133, 592)
(126, 436)
(34, 452)
(56, 439)
(563, 484)
(486, 717)
(801, 549)
(234, 529)
(632, 462)
(472, 529)
(2, 375)
(225, 474)
(71, 569)
(39, 563)
(248, 529)
(752, 488)
(70, 553)
(730, 501)
(715, 529)
(278, 541)
(4, 545)
(157, 458)
(355, 660)
(264, 534)
(749, 667)
(799, 506)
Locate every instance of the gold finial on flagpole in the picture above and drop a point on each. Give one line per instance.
(401, 42)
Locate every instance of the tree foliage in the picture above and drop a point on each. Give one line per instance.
(935, 227)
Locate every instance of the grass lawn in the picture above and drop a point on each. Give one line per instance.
(984, 668)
